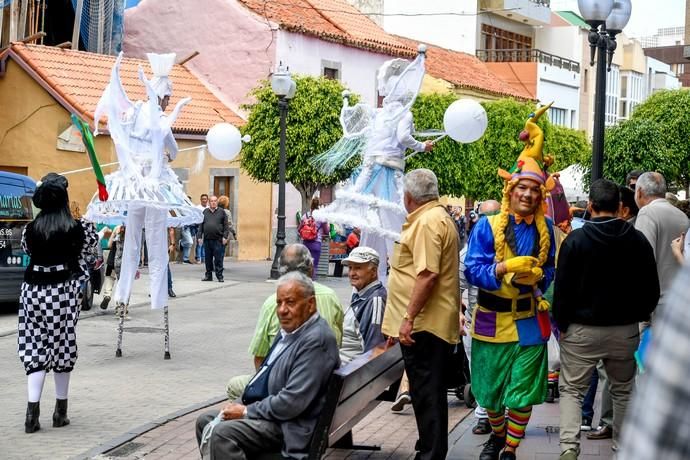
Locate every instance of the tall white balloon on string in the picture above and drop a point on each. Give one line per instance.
(465, 121)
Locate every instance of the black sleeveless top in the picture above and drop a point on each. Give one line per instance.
(54, 260)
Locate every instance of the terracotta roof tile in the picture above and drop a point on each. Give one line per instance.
(331, 20)
(338, 21)
(465, 71)
(80, 78)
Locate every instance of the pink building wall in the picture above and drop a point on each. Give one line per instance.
(236, 47)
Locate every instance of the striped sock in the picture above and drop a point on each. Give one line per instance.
(517, 423)
(497, 421)
(553, 376)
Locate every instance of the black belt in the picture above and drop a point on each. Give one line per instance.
(501, 304)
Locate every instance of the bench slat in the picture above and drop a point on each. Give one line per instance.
(370, 371)
(357, 402)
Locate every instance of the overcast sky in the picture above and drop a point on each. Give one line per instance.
(647, 15)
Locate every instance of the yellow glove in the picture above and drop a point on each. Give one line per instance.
(520, 264)
(529, 278)
(543, 304)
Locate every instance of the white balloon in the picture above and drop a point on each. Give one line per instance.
(224, 141)
(465, 121)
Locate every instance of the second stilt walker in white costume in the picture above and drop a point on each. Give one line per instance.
(144, 192)
(373, 201)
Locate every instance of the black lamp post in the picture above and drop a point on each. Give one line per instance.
(607, 19)
(284, 87)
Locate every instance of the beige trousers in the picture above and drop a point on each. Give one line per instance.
(581, 348)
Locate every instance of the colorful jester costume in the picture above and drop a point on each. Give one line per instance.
(510, 325)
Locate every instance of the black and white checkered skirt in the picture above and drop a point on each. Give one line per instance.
(48, 317)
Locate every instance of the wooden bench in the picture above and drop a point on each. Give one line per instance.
(353, 392)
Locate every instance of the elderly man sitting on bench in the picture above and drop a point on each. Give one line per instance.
(282, 402)
(362, 324)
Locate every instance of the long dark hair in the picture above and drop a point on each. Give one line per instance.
(55, 216)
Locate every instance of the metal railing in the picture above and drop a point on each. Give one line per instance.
(527, 55)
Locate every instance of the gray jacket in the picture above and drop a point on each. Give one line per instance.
(297, 386)
(661, 223)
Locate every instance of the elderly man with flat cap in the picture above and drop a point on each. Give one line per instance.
(362, 324)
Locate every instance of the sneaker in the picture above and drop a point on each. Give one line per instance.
(507, 455)
(570, 454)
(206, 279)
(482, 427)
(221, 280)
(105, 302)
(586, 424)
(492, 447)
(188, 262)
(402, 400)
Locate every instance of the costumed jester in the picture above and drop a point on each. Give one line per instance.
(373, 201)
(144, 192)
(510, 257)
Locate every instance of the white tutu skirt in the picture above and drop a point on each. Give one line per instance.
(128, 189)
(373, 203)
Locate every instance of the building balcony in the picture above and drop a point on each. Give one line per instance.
(528, 55)
(532, 12)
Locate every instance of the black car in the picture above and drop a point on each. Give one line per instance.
(16, 210)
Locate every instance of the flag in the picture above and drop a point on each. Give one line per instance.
(87, 138)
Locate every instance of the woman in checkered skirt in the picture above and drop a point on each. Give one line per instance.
(51, 295)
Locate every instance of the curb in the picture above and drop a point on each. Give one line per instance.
(138, 431)
(96, 311)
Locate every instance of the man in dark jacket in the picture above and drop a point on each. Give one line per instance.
(284, 417)
(606, 283)
(214, 232)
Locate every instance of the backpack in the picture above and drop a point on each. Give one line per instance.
(307, 229)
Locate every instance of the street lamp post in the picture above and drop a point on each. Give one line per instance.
(284, 87)
(606, 19)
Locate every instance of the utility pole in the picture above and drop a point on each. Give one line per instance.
(77, 24)
(22, 19)
(14, 21)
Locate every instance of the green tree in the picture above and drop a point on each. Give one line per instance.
(313, 126)
(670, 110)
(471, 169)
(568, 147)
(638, 144)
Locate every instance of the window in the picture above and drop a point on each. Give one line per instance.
(331, 74)
(558, 116)
(495, 38)
(331, 69)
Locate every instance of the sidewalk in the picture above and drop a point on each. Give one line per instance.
(186, 282)
(395, 433)
(210, 327)
(540, 443)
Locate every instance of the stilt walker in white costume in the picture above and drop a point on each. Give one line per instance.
(373, 201)
(144, 193)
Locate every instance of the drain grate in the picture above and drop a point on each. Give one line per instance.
(126, 449)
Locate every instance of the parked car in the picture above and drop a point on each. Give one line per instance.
(16, 210)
